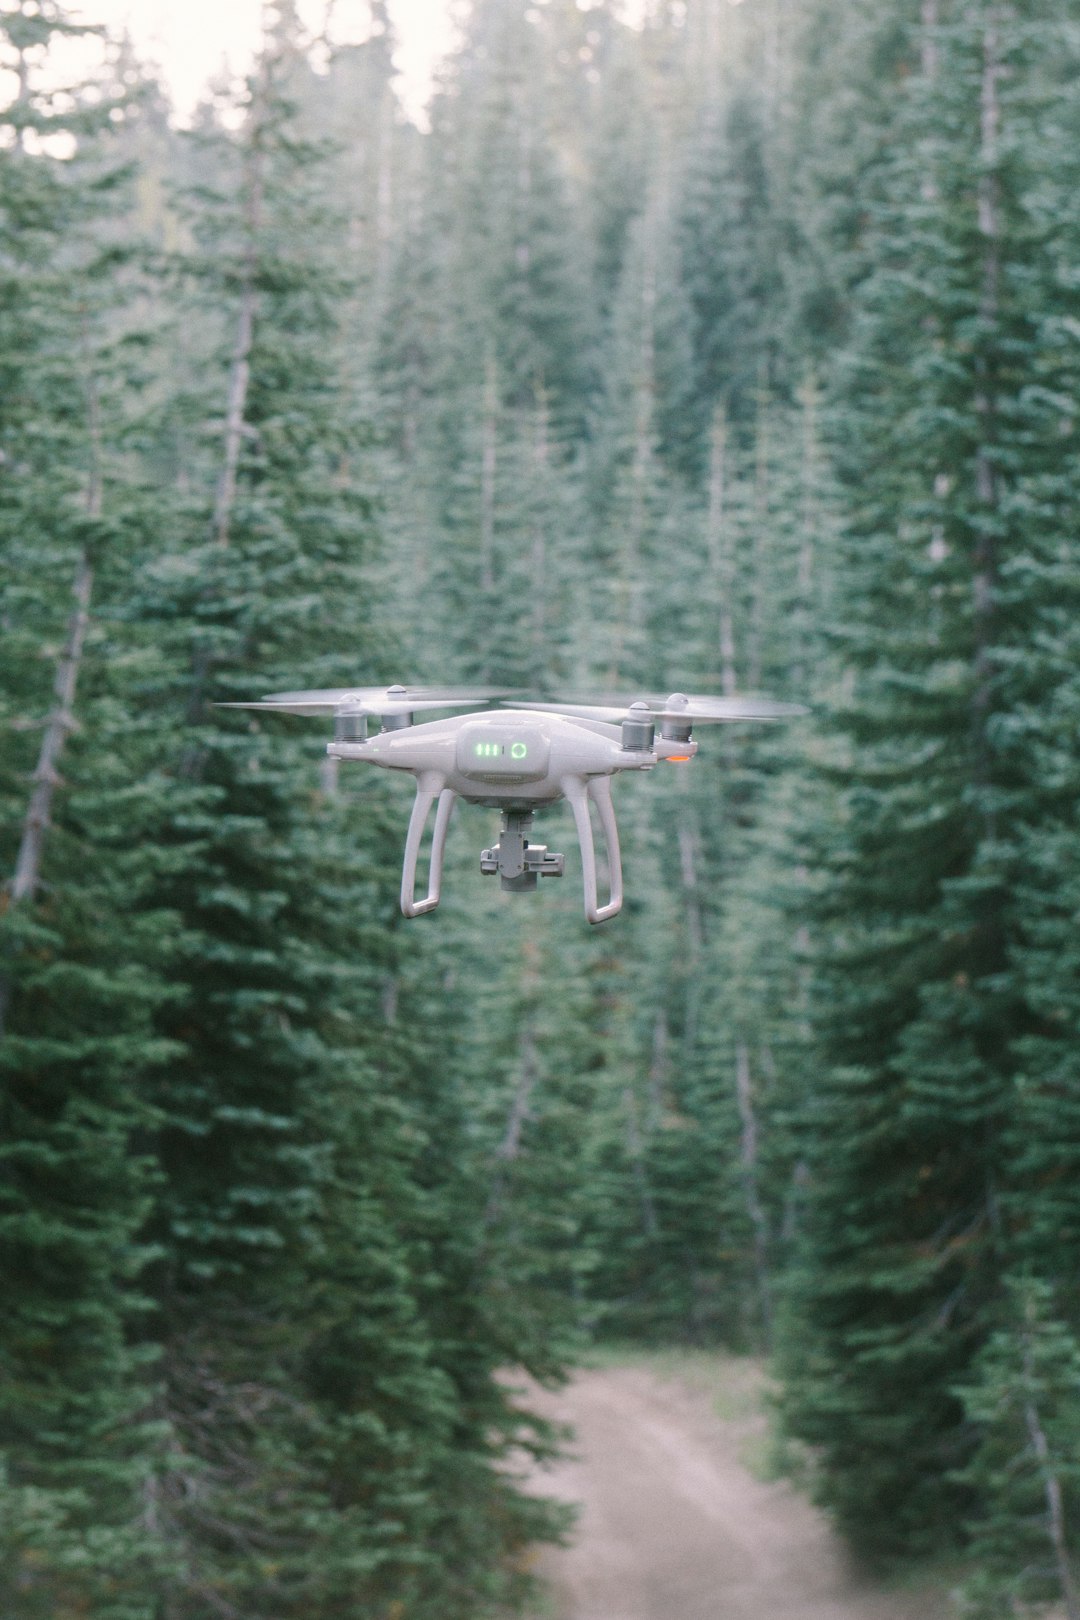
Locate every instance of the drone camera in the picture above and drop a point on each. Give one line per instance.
(537, 861)
(518, 862)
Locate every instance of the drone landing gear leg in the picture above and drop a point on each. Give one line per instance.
(427, 788)
(579, 790)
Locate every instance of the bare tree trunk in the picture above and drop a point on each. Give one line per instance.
(61, 721)
(636, 1148)
(712, 46)
(388, 998)
(239, 376)
(528, 1074)
(928, 45)
(772, 60)
(1052, 1492)
(384, 191)
(629, 584)
(522, 246)
(330, 777)
(808, 521)
(748, 1155)
(236, 428)
(986, 482)
(718, 541)
(516, 1119)
(488, 468)
(689, 843)
(658, 1068)
(645, 396)
(756, 637)
(793, 1203)
(540, 451)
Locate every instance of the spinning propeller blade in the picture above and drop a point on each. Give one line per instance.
(677, 706)
(374, 700)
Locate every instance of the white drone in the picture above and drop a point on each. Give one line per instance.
(514, 759)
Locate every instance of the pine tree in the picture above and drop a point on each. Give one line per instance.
(729, 239)
(1024, 1539)
(83, 972)
(918, 1001)
(486, 358)
(335, 1420)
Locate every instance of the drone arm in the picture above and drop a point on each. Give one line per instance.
(428, 787)
(579, 791)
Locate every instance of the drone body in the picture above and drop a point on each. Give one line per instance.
(515, 760)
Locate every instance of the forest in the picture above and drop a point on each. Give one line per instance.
(733, 351)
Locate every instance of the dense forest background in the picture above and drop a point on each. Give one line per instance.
(735, 352)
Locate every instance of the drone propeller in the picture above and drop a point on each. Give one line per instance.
(676, 708)
(374, 700)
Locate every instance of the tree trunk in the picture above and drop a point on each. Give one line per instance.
(61, 721)
(756, 639)
(629, 584)
(528, 1074)
(240, 368)
(808, 521)
(236, 427)
(748, 1157)
(689, 845)
(636, 1149)
(659, 1068)
(928, 45)
(488, 469)
(540, 454)
(1052, 1492)
(718, 543)
(986, 481)
(516, 1120)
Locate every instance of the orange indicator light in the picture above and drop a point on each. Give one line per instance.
(679, 759)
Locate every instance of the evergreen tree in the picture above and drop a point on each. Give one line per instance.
(730, 263)
(1024, 1407)
(82, 972)
(330, 1389)
(918, 1001)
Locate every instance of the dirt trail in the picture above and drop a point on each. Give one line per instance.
(675, 1526)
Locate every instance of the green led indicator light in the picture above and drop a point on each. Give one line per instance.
(518, 751)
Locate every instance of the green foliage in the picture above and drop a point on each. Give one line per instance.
(82, 971)
(735, 352)
(921, 1008)
(1024, 1472)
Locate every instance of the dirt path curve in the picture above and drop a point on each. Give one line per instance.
(675, 1526)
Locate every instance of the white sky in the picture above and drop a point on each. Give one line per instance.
(190, 40)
